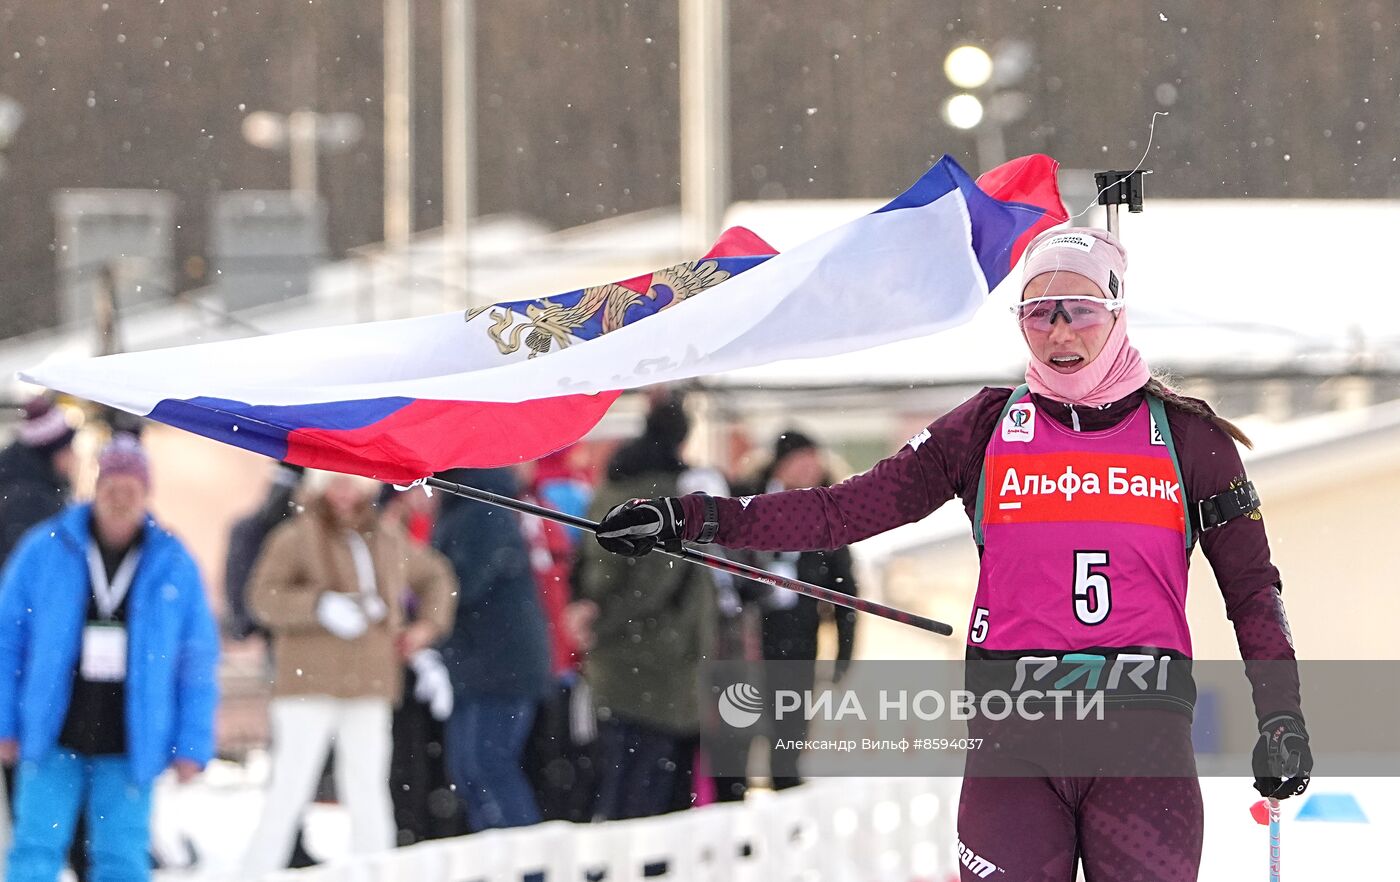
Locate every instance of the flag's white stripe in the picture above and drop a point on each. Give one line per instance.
(883, 277)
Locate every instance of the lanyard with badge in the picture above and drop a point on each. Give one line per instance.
(104, 641)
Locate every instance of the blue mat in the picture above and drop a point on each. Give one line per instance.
(1332, 807)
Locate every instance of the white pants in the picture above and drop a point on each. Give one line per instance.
(303, 727)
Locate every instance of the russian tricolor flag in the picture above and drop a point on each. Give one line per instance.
(399, 400)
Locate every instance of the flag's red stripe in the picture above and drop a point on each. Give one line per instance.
(1030, 180)
(430, 436)
(739, 242)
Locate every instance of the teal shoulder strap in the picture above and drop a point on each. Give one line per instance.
(1016, 395)
(1158, 410)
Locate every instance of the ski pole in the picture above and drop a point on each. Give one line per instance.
(699, 557)
(1275, 841)
(1266, 811)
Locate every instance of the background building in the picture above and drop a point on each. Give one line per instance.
(578, 117)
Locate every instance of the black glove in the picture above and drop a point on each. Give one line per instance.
(638, 525)
(1283, 760)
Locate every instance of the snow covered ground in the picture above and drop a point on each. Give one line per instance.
(219, 812)
(1314, 849)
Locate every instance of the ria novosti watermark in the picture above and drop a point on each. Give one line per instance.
(1111, 712)
(741, 705)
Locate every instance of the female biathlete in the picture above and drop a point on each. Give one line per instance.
(1087, 488)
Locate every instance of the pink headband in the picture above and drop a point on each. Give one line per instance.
(1095, 254)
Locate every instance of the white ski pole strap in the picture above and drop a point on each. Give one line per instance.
(109, 593)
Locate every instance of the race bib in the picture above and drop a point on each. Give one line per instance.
(104, 653)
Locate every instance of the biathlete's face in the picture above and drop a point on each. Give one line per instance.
(1069, 331)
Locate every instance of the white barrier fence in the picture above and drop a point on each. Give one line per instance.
(832, 830)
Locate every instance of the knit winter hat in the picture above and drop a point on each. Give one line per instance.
(45, 427)
(124, 455)
(791, 441)
(1095, 254)
(667, 424)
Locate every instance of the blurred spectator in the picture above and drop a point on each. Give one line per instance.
(245, 541)
(653, 618)
(556, 482)
(791, 621)
(90, 600)
(35, 471)
(559, 754)
(328, 586)
(498, 653)
(735, 639)
(424, 805)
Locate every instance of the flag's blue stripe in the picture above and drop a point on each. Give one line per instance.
(933, 185)
(996, 225)
(264, 428)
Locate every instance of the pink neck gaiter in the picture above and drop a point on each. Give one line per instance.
(1116, 372)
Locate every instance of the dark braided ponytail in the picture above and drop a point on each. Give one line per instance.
(1159, 387)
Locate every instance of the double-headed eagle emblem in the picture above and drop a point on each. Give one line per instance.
(546, 323)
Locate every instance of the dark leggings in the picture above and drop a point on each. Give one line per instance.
(1037, 827)
(643, 771)
(1123, 829)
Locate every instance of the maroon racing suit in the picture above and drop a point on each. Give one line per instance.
(1036, 827)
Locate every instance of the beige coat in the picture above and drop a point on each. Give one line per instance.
(305, 557)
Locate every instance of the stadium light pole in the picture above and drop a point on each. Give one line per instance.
(704, 86)
(986, 104)
(398, 133)
(11, 117)
(398, 147)
(304, 134)
(458, 144)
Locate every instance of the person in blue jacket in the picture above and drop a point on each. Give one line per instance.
(497, 654)
(108, 653)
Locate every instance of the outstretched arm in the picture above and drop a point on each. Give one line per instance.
(897, 491)
(933, 467)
